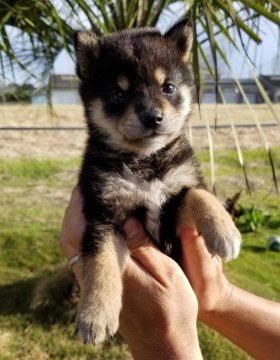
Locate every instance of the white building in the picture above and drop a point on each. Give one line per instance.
(64, 90)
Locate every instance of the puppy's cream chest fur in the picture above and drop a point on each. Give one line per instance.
(129, 188)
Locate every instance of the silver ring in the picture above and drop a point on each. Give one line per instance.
(73, 260)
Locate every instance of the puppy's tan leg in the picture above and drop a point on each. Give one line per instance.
(100, 305)
(204, 211)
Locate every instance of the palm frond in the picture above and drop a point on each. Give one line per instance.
(19, 17)
(237, 143)
(263, 93)
(211, 150)
(261, 133)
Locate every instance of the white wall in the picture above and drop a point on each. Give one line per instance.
(70, 96)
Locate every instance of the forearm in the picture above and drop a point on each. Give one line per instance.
(252, 323)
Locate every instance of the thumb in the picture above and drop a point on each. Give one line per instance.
(196, 259)
(136, 237)
(145, 252)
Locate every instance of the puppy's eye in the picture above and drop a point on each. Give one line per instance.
(168, 89)
(118, 96)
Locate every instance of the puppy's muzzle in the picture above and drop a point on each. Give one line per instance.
(152, 119)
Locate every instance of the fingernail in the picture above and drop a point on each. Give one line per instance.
(131, 228)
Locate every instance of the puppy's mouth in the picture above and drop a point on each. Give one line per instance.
(151, 134)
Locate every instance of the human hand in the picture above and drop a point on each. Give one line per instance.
(205, 274)
(158, 319)
(159, 314)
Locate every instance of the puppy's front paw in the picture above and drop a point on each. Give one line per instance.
(213, 222)
(224, 242)
(95, 323)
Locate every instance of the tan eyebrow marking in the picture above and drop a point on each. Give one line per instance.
(123, 83)
(160, 75)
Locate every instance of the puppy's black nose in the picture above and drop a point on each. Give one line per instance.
(152, 119)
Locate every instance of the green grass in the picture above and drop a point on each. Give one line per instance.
(23, 171)
(34, 194)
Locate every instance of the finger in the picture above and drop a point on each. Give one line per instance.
(195, 256)
(141, 248)
(76, 201)
(73, 225)
(192, 242)
(74, 206)
(78, 271)
(135, 274)
(76, 195)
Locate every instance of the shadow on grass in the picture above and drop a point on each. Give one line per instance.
(45, 300)
(273, 224)
(254, 248)
(16, 297)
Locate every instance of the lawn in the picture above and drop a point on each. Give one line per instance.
(34, 194)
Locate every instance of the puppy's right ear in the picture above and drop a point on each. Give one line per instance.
(182, 34)
(87, 51)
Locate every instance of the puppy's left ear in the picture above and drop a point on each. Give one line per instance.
(182, 34)
(87, 49)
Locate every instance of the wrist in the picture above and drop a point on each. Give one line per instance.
(220, 304)
(167, 351)
(167, 345)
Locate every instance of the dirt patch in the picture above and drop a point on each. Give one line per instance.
(249, 138)
(42, 143)
(69, 143)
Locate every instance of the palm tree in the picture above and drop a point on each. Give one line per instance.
(32, 33)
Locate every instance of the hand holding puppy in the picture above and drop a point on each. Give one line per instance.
(159, 314)
(158, 318)
(151, 322)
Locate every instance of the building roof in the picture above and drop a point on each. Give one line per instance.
(270, 80)
(63, 82)
(229, 81)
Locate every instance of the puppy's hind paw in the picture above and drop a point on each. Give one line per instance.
(94, 327)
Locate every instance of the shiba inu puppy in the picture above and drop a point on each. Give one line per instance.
(136, 88)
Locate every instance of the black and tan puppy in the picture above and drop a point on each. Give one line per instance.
(136, 89)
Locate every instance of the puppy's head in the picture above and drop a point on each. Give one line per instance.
(136, 86)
